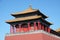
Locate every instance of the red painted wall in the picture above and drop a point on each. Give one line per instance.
(38, 36)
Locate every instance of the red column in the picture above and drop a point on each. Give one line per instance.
(42, 27)
(35, 26)
(20, 27)
(39, 25)
(46, 29)
(29, 28)
(49, 30)
(14, 29)
(11, 29)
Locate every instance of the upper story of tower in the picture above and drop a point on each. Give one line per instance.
(29, 15)
(29, 12)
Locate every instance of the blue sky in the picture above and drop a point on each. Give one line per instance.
(51, 8)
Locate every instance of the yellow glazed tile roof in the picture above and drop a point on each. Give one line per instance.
(58, 30)
(25, 11)
(24, 18)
